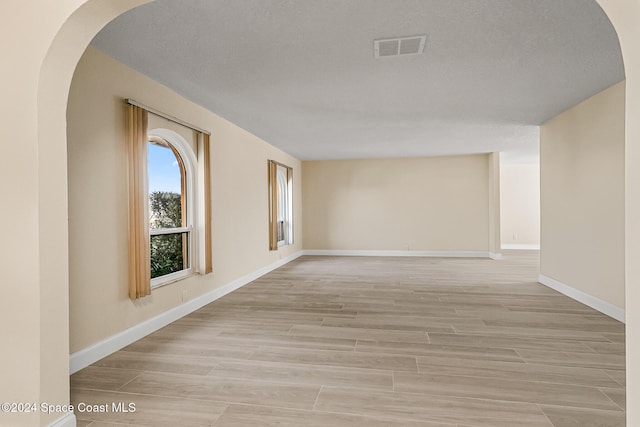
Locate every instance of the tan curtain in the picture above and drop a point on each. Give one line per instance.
(206, 155)
(273, 205)
(139, 256)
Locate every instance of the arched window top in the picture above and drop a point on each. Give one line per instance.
(178, 143)
(283, 199)
(167, 185)
(165, 248)
(280, 206)
(171, 178)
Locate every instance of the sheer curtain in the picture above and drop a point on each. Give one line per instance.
(204, 154)
(273, 206)
(139, 257)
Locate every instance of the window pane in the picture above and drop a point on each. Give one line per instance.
(169, 253)
(165, 188)
(282, 202)
(165, 210)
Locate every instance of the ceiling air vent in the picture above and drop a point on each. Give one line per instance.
(399, 46)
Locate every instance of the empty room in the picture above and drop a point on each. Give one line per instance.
(324, 213)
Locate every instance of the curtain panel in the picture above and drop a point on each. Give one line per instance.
(139, 252)
(206, 160)
(273, 205)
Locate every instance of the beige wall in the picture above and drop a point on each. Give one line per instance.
(36, 73)
(582, 190)
(421, 204)
(493, 180)
(624, 15)
(520, 204)
(99, 305)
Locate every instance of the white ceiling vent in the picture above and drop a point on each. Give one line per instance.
(399, 46)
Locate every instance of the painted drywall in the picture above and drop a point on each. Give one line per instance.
(99, 305)
(416, 204)
(34, 299)
(624, 17)
(520, 204)
(582, 196)
(493, 180)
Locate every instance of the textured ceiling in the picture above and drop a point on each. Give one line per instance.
(302, 74)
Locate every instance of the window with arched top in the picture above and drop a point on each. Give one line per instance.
(280, 206)
(169, 215)
(171, 185)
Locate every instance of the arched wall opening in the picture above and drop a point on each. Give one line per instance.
(84, 20)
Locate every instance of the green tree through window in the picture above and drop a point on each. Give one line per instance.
(170, 231)
(167, 251)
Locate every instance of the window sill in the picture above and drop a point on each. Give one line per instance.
(168, 279)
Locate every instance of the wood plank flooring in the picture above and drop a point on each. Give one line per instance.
(354, 341)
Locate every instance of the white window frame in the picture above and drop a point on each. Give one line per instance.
(286, 192)
(189, 161)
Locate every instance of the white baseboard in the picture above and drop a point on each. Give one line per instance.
(495, 256)
(67, 420)
(520, 246)
(435, 254)
(85, 357)
(594, 302)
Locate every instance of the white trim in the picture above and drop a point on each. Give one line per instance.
(594, 302)
(438, 254)
(85, 357)
(190, 163)
(67, 420)
(520, 246)
(163, 231)
(495, 256)
(167, 279)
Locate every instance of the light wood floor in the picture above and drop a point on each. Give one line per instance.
(350, 341)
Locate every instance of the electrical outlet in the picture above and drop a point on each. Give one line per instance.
(185, 295)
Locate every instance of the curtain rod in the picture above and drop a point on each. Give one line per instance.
(166, 116)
